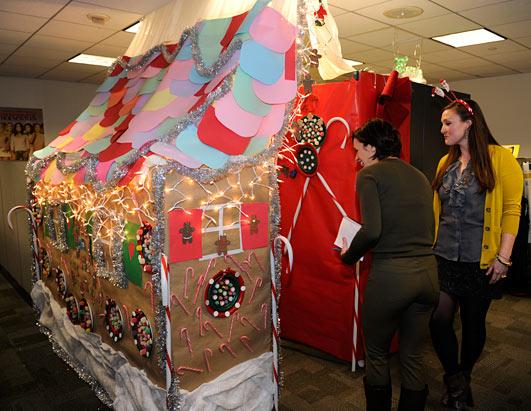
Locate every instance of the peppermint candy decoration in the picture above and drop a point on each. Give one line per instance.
(84, 316)
(224, 293)
(144, 247)
(142, 333)
(113, 319)
(311, 129)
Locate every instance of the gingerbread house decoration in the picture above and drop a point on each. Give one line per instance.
(155, 212)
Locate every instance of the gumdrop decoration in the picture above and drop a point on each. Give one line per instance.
(60, 280)
(311, 129)
(142, 333)
(84, 317)
(72, 308)
(44, 263)
(113, 320)
(144, 247)
(307, 159)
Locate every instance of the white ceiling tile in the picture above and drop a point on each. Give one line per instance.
(7, 48)
(140, 7)
(43, 52)
(433, 77)
(372, 56)
(349, 24)
(352, 5)
(106, 51)
(376, 12)
(97, 78)
(349, 46)
(76, 12)
(385, 37)
(74, 31)
(514, 30)
(32, 61)
(410, 47)
(458, 5)
(13, 37)
(20, 22)
(496, 47)
(501, 13)
(437, 26)
(119, 39)
(20, 70)
(445, 56)
(526, 41)
(335, 11)
(57, 43)
(71, 72)
(37, 8)
(518, 60)
(489, 70)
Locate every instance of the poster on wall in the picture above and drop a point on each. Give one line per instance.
(21, 132)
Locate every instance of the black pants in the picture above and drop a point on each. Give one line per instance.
(473, 312)
(400, 296)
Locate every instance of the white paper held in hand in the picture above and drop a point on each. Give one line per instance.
(348, 229)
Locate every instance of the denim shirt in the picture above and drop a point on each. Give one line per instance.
(462, 212)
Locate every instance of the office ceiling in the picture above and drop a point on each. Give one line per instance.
(38, 36)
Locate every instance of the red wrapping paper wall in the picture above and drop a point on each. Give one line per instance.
(317, 299)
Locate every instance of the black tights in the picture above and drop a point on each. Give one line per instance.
(473, 314)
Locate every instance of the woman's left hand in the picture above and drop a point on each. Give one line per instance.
(497, 271)
(344, 249)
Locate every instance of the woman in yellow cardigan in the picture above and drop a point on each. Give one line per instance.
(478, 188)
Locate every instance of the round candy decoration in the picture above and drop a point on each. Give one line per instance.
(44, 263)
(72, 308)
(84, 316)
(113, 320)
(142, 333)
(60, 280)
(307, 159)
(224, 293)
(311, 129)
(144, 247)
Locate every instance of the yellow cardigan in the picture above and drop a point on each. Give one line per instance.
(502, 204)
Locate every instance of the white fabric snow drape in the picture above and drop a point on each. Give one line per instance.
(167, 23)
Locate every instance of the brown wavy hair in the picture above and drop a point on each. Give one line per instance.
(479, 138)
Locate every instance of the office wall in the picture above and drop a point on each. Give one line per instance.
(61, 102)
(506, 104)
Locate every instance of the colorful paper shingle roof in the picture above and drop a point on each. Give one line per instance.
(212, 100)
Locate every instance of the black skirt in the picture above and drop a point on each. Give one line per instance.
(466, 280)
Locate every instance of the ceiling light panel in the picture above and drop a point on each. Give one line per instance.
(92, 60)
(469, 38)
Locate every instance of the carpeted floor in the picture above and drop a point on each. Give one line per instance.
(32, 377)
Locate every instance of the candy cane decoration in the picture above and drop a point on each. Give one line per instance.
(248, 261)
(166, 303)
(207, 352)
(200, 282)
(185, 338)
(257, 283)
(237, 264)
(356, 317)
(244, 320)
(151, 293)
(199, 316)
(34, 239)
(230, 327)
(176, 301)
(209, 325)
(274, 307)
(265, 312)
(245, 341)
(126, 311)
(225, 346)
(186, 280)
(181, 369)
(344, 122)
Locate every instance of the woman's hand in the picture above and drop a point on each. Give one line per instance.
(497, 271)
(344, 248)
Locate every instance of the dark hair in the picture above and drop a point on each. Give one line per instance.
(479, 138)
(30, 126)
(15, 128)
(381, 135)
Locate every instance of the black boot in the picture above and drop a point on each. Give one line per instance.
(457, 390)
(412, 400)
(469, 398)
(377, 397)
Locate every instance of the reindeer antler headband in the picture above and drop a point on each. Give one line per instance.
(443, 92)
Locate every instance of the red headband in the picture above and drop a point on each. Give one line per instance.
(465, 105)
(443, 92)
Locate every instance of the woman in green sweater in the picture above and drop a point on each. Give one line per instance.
(478, 189)
(397, 225)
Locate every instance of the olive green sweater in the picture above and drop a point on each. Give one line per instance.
(396, 203)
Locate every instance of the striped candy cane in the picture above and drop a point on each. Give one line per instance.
(34, 239)
(274, 305)
(166, 301)
(356, 319)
